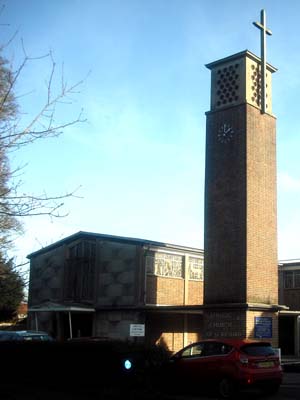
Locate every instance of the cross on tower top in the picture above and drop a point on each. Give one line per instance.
(263, 48)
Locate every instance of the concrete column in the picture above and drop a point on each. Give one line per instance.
(186, 280)
(297, 336)
(70, 325)
(185, 330)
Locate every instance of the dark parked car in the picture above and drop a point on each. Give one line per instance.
(226, 365)
(24, 336)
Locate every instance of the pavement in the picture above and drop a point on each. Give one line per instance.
(290, 363)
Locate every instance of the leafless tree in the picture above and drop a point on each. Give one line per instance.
(16, 131)
(14, 135)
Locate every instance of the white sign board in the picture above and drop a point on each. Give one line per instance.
(278, 353)
(137, 329)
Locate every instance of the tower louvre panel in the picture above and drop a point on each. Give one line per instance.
(237, 79)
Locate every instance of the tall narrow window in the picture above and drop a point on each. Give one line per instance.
(297, 279)
(80, 272)
(288, 280)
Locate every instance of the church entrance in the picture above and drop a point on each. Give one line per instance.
(81, 325)
(289, 332)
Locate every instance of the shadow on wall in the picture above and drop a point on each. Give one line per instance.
(167, 330)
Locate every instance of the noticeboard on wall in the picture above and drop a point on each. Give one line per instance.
(137, 329)
(263, 327)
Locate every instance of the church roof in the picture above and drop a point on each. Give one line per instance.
(105, 237)
(241, 54)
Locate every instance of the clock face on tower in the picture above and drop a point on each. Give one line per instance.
(225, 133)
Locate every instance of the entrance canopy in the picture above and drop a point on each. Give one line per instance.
(49, 306)
(57, 307)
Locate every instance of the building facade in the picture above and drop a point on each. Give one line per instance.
(122, 288)
(289, 294)
(100, 285)
(90, 284)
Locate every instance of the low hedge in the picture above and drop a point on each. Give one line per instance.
(80, 363)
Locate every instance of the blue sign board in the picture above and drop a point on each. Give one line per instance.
(263, 327)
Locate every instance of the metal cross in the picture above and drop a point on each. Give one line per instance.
(263, 49)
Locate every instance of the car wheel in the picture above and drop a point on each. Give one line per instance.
(226, 388)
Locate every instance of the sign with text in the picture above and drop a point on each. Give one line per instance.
(224, 324)
(263, 327)
(137, 329)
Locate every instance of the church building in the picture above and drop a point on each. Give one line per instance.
(91, 284)
(113, 287)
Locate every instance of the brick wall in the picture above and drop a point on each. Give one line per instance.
(240, 209)
(170, 291)
(262, 267)
(224, 323)
(169, 330)
(195, 292)
(225, 209)
(164, 291)
(194, 328)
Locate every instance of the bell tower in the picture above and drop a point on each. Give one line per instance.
(240, 233)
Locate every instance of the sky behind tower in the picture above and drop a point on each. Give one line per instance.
(139, 159)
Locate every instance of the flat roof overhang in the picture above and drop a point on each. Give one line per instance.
(57, 307)
(174, 309)
(288, 313)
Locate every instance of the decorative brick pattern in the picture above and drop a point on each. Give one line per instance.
(46, 277)
(116, 275)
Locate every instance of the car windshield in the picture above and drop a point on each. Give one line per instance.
(258, 349)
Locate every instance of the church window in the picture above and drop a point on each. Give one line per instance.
(288, 280)
(297, 279)
(196, 268)
(80, 272)
(150, 263)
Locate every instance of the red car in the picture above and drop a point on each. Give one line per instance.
(226, 364)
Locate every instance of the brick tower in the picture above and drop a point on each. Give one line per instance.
(240, 240)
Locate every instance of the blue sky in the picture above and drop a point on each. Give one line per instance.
(139, 158)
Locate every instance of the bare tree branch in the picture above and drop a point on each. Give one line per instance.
(19, 129)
